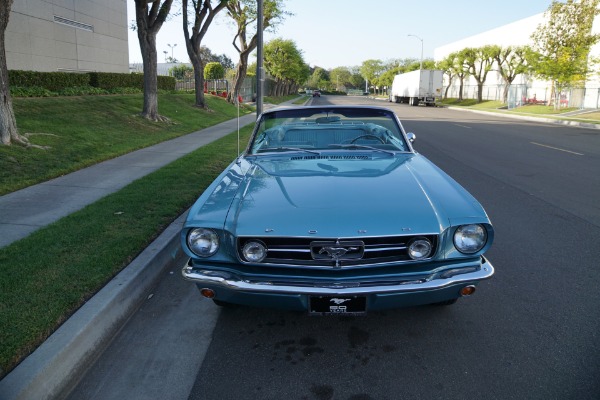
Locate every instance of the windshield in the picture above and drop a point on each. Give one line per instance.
(328, 128)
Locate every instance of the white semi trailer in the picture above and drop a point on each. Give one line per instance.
(416, 87)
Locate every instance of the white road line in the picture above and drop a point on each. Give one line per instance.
(556, 148)
(463, 126)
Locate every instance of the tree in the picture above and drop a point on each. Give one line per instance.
(478, 62)
(511, 61)
(8, 122)
(319, 79)
(371, 69)
(356, 79)
(561, 46)
(209, 56)
(148, 23)
(204, 13)
(224, 61)
(284, 62)
(340, 76)
(387, 78)
(446, 66)
(244, 14)
(214, 70)
(456, 65)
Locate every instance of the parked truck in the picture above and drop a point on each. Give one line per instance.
(416, 87)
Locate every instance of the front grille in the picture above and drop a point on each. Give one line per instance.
(310, 252)
(331, 157)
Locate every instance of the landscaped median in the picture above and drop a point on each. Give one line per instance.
(51, 273)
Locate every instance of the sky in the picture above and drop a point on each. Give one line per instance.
(335, 33)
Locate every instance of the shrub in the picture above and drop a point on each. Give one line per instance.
(125, 90)
(32, 91)
(181, 71)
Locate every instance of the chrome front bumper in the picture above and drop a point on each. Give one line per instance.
(460, 274)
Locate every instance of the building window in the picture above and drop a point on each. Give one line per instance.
(73, 24)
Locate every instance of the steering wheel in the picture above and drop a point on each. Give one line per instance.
(367, 137)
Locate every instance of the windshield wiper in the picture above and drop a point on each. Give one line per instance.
(360, 146)
(293, 149)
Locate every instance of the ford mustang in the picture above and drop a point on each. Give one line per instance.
(330, 210)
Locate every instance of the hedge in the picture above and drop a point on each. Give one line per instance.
(53, 81)
(58, 81)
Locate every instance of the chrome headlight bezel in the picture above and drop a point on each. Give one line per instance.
(203, 242)
(470, 238)
(254, 251)
(419, 248)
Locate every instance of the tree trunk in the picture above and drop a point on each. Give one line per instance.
(505, 91)
(149, 56)
(479, 92)
(448, 87)
(203, 17)
(198, 80)
(460, 88)
(8, 123)
(149, 23)
(240, 75)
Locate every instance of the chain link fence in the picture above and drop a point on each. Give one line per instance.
(519, 95)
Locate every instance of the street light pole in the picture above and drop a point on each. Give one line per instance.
(421, 64)
(172, 46)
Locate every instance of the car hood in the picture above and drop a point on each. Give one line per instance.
(337, 197)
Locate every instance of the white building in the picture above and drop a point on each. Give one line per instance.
(67, 35)
(519, 34)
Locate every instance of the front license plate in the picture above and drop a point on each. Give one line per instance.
(341, 305)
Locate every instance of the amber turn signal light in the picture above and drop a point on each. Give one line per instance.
(208, 293)
(467, 290)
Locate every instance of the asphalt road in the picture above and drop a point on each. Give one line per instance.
(531, 332)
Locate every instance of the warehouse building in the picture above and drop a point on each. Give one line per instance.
(68, 35)
(524, 87)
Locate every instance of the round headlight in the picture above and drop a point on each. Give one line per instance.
(419, 249)
(203, 242)
(470, 239)
(254, 251)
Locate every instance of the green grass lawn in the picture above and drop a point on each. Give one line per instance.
(541, 110)
(279, 100)
(48, 275)
(530, 109)
(472, 103)
(81, 131)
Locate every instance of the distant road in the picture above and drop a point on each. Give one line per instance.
(531, 332)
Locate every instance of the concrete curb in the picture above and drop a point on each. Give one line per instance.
(55, 367)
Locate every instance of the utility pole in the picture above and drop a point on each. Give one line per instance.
(260, 74)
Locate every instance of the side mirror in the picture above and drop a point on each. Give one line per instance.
(411, 137)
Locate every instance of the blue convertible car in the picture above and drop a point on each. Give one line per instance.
(331, 210)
